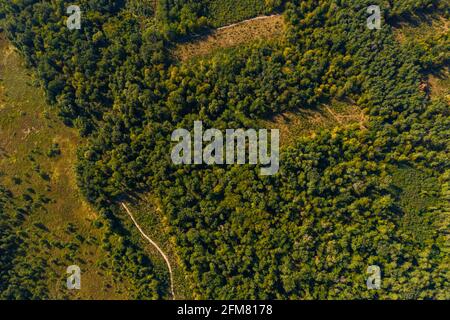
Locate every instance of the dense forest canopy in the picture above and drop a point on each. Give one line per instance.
(181, 17)
(335, 207)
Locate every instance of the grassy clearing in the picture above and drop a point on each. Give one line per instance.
(418, 29)
(307, 122)
(246, 32)
(440, 85)
(423, 32)
(37, 158)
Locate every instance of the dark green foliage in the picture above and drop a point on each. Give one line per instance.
(183, 17)
(141, 8)
(19, 278)
(221, 13)
(334, 209)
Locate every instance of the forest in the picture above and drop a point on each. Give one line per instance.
(343, 198)
(180, 18)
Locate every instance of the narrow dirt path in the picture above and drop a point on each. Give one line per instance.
(154, 245)
(248, 20)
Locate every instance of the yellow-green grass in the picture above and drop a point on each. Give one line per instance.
(272, 27)
(28, 130)
(307, 122)
(440, 85)
(424, 32)
(418, 29)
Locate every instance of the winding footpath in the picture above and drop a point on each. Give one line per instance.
(153, 244)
